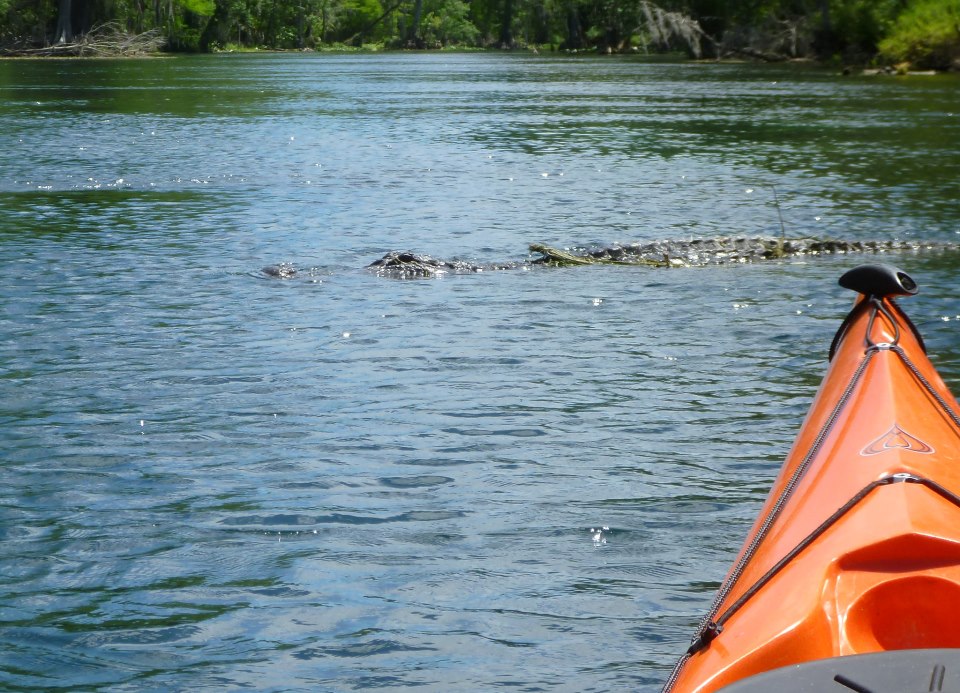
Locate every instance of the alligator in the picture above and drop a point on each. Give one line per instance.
(284, 270)
(696, 252)
(722, 250)
(668, 253)
(288, 270)
(412, 266)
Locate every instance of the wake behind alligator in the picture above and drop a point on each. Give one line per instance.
(697, 252)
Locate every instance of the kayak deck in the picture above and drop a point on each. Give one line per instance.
(857, 548)
(884, 672)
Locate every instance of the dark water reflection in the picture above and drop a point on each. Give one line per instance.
(213, 479)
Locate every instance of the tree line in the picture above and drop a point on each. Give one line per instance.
(925, 33)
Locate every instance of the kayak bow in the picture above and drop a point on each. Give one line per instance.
(857, 548)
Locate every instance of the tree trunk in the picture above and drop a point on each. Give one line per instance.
(506, 22)
(139, 10)
(825, 15)
(541, 34)
(300, 23)
(217, 28)
(414, 36)
(574, 29)
(64, 32)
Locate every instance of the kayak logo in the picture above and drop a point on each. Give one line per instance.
(896, 439)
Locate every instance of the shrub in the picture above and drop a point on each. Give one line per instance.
(926, 34)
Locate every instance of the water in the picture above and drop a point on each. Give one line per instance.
(524, 480)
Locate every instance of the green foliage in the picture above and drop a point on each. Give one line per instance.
(926, 34)
(861, 24)
(26, 20)
(203, 8)
(356, 18)
(446, 23)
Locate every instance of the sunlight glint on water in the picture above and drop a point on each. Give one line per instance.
(216, 479)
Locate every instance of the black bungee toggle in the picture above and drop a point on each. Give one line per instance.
(879, 280)
(707, 636)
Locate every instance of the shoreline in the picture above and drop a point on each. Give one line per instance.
(854, 69)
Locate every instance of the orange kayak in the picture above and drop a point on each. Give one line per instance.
(857, 548)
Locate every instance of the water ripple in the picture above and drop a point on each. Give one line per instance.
(213, 478)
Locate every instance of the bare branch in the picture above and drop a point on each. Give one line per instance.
(103, 40)
(663, 25)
